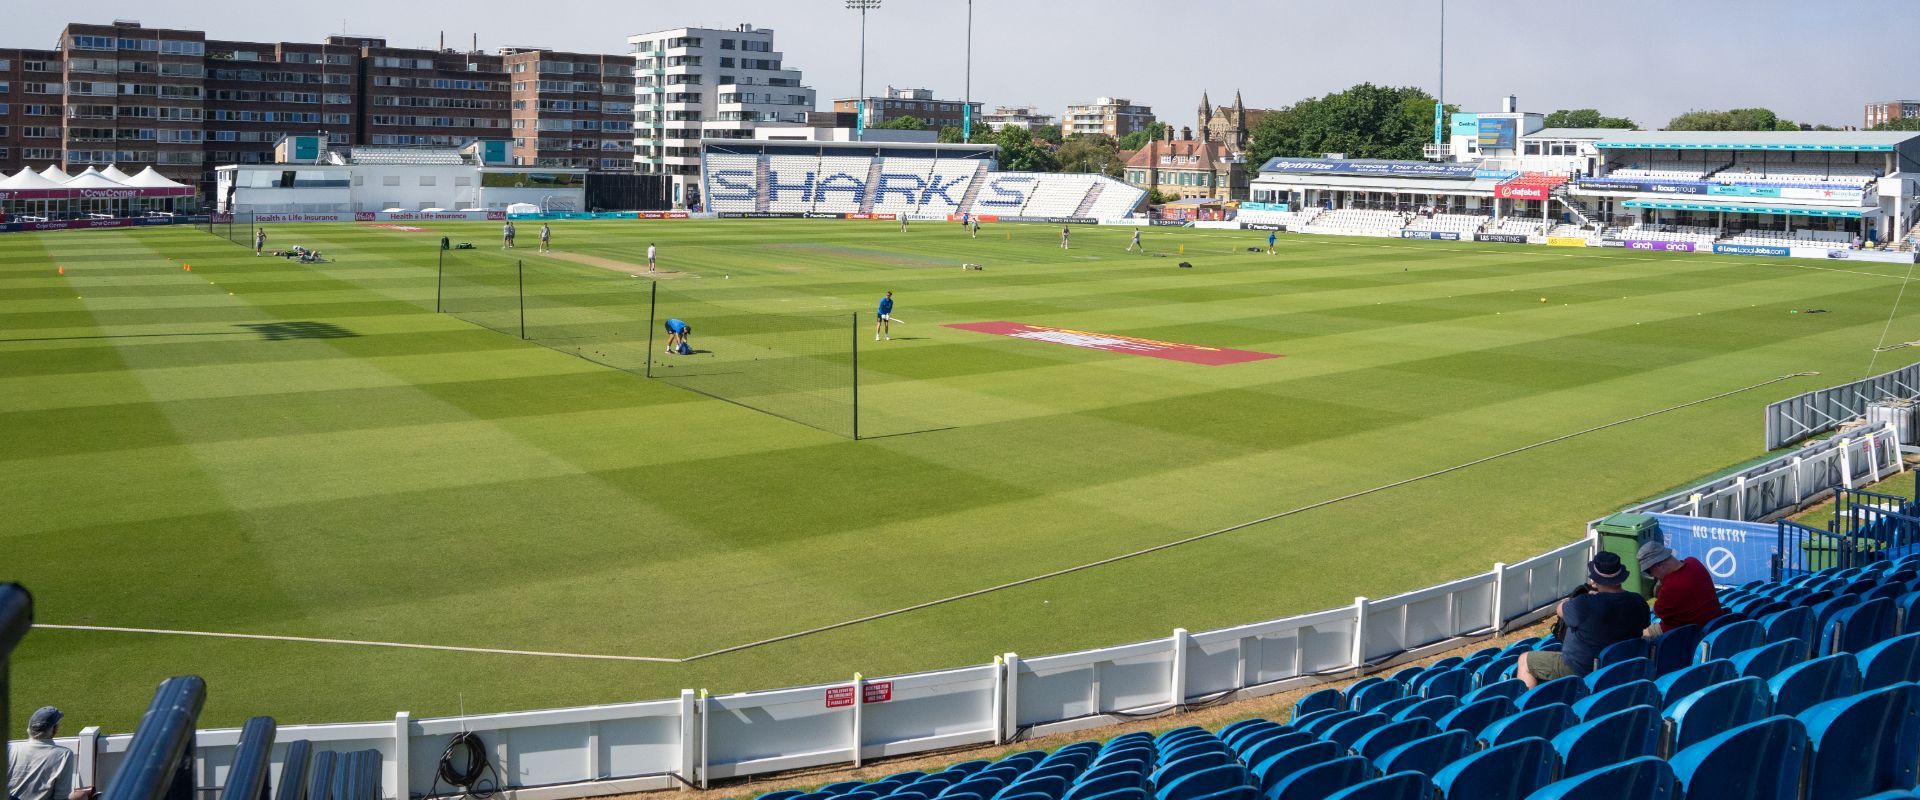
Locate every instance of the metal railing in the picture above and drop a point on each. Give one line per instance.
(1822, 410)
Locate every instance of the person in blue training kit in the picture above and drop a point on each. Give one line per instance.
(677, 333)
(1271, 236)
(883, 319)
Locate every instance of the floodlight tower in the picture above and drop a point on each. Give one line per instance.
(966, 114)
(862, 6)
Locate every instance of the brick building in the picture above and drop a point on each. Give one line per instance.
(134, 96)
(1890, 111)
(917, 103)
(1189, 168)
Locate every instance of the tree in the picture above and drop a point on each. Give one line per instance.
(1018, 153)
(905, 122)
(1046, 133)
(1902, 124)
(1157, 197)
(1366, 121)
(1739, 119)
(1090, 153)
(1138, 139)
(950, 134)
(1585, 118)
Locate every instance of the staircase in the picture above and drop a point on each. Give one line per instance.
(1093, 196)
(973, 188)
(1586, 216)
(873, 180)
(760, 183)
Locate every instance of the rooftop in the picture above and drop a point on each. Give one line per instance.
(1759, 140)
(1576, 133)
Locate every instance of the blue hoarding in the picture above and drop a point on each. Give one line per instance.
(1734, 552)
(1446, 235)
(1497, 134)
(1378, 169)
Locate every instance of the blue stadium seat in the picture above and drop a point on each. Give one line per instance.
(1427, 755)
(1508, 772)
(1350, 731)
(1858, 627)
(1824, 612)
(1895, 660)
(1510, 688)
(840, 788)
(1624, 651)
(1676, 685)
(1395, 786)
(1618, 698)
(1386, 737)
(1023, 760)
(1321, 722)
(1108, 783)
(1233, 730)
(1065, 770)
(1121, 794)
(1270, 772)
(1731, 617)
(1474, 716)
(1268, 748)
(1194, 747)
(1231, 793)
(1864, 743)
(1757, 761)
(1248, 738)
(1392, 708)
(1452, 682)
(1192, 785)
(1300, 722)
(1566, 691)
(1767, 660)
(1730, 639)
(1544, 722)
(1496, 670)
(1181, 767)
(1609, 739)
(1369, 697)
(1885, 591)
(1520, 646)
(1673, 650)
(1323, 700)
(968, 767)
(1721, 707)
(1316, 781)
(1406, 676)
(1617, 673)
(1793, 624)
(1433, 709)
(1447, 663)
(1805, 685)
(1023, 794)
(978, 786)
(1643, 778)
(783, 794)
(1120, 761)
(1359, 686)
(1049, 786)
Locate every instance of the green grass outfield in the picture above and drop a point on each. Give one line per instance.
(165, 462)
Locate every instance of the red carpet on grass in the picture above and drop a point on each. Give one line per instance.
(1112, 343)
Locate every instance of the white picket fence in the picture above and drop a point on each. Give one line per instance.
(694, 739)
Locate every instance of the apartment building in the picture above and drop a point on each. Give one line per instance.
(134, 96)
(695, 83)
(571, 110)
(1028, 117)
(917, 103)
(1891, 111)
(1113, 116)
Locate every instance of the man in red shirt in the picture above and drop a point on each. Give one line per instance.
(1684, 593)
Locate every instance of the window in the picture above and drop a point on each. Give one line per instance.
(390, 180)
(139, 45)
(93, 43)
(39, 132)
(177, 48)
(427, 180)
(462, 181)
(726, 62)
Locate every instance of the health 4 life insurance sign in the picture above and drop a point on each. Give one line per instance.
(1734, 552)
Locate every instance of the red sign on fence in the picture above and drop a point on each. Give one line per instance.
(877, 692)
(838, 696)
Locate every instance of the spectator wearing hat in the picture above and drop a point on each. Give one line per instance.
(1604, 615)
(1684, 594)
(40, 769)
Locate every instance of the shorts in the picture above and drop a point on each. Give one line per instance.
(681, 331)
(1546, 665)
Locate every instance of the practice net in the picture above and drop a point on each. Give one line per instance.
(236, 227)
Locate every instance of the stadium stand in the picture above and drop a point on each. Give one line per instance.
(1464, 224)
(1116, 200)
(1786, 239)
(1671, 233)
(1754, 170)
(850, 180)
(1359, 222)
(900, 183)
(947, 186)
(1057, 195)
(1518, 227)
(733, 164)
(1293, 220)
(1668, 170)
(842, 186)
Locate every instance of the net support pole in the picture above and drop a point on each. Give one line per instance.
(439, 277)
(856, 375)
(520, 273)
(653, 297)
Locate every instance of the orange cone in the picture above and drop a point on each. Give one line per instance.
(186, 267)
(63, 269)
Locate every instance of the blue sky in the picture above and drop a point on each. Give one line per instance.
(1646, 59)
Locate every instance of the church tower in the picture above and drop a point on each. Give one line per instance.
(1240, 133)
(1206, 116)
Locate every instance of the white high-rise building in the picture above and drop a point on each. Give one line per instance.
(695, 83)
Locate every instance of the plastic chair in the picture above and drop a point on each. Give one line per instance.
(840, 788)
(1566, 691)
(1673, 650)
(1368, 698)
(1858, 627)
(1497, 669)
(1433, 709)
(1618, 698)
(1323, 700)
(1730, 617)
(1268, 748)
(1320, 723)
(1106, 783)
(1511, 771)
(1543, 722)
(1676, 685)
(1609, 739)
(1354, 689)
(1176, 769)
(1620, 672)
(1192, 785)
(1767, 660)
(1723, 706)
(1907, 610)
(1270, 772)
(1316, 781)
(1347, 733)
(1793, 624)
(1643, 778)
(1386, 737)
(1232, 733)
(1396, 786)
(1510, 688)
(1426, 755)
(1803, 686)
(1448, 683)
(1864, 743)
(1729, 639)
(1623, 651)
(1757, 761)
(1392, 708)
(1895, 660)
(1475, 716)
